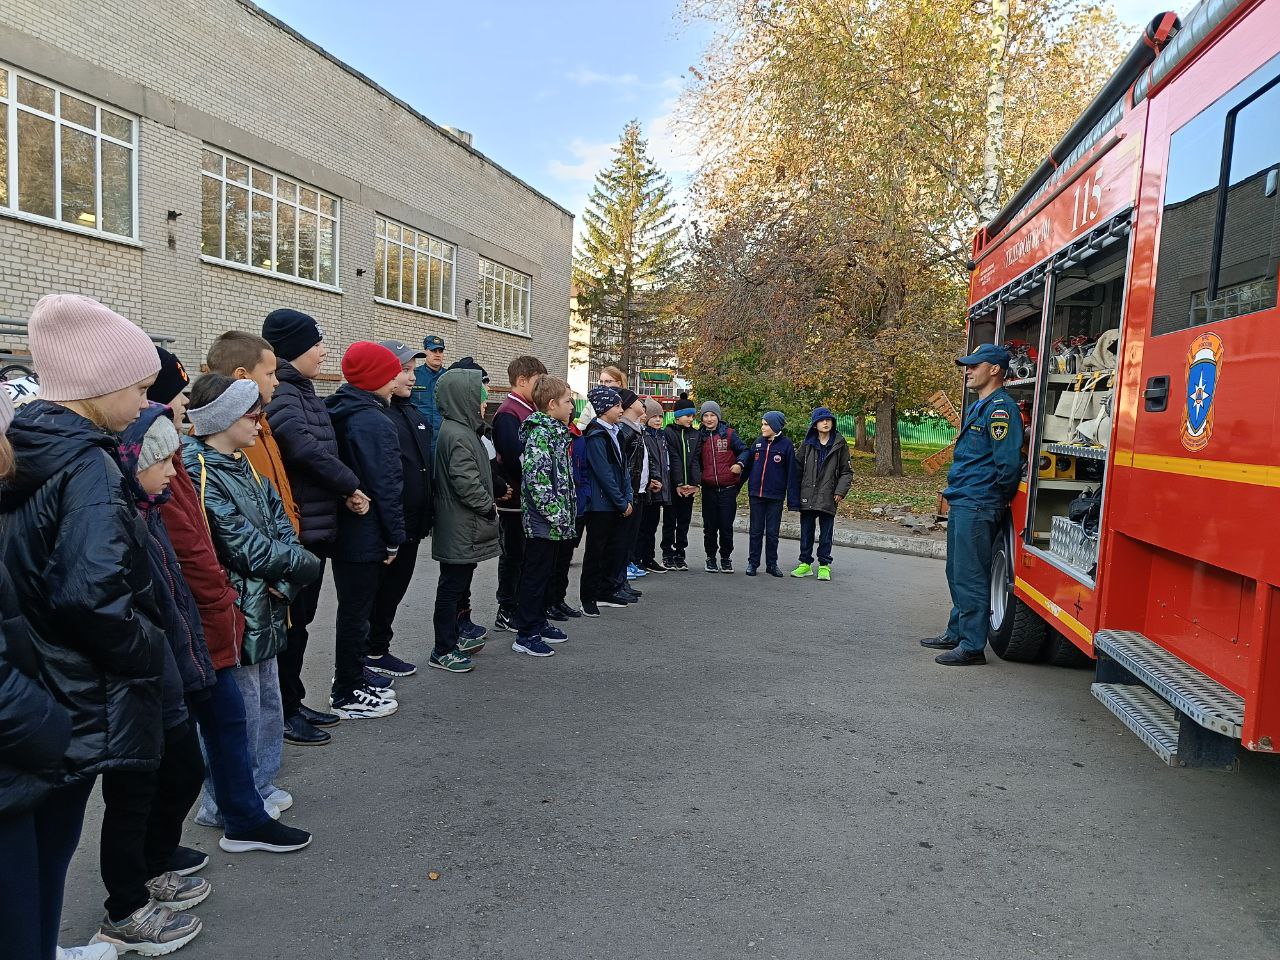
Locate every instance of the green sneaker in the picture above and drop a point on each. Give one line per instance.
(824, 573)
(804, 570)
(469, 646)
(453, 662)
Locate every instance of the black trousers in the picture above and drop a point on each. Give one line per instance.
(142, 818)
(646, 549)
(511, 559)
(630, 533)
(676, 517)
(766, 518)
(605, 551)
(535, 582)
(393, 584)
(453, 588)
(289, 662)
(719, 506)
(558, 589)
(357, 588)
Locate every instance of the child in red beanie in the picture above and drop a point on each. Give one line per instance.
(369, 446)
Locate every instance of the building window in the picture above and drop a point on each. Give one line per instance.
(258, 218)
(503, 297)
(65, 158)
(413, 268)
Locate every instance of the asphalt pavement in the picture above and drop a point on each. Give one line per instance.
(741, 768)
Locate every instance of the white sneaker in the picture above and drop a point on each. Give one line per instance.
(383, 693)
(281, 799)
(94, 951)
(362, 704)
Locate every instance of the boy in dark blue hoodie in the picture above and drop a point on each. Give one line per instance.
(612, 501)
(769, 465)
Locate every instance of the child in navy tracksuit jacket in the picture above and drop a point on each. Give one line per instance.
(769, 464)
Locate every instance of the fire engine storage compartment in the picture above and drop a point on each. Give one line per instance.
(1076, 368)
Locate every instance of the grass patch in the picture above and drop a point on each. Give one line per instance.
(915, 488)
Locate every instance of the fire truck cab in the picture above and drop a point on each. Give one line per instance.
(1135, 278)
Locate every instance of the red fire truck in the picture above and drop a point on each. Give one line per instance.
(1135, 277)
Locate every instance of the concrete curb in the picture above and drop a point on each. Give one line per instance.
(912, 546)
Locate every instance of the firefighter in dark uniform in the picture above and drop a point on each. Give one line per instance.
(983, 479)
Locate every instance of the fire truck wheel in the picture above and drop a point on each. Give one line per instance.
(1064, 653)
(1015, 631)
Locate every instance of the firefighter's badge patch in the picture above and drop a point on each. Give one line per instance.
(999, 429)
(1204, 367)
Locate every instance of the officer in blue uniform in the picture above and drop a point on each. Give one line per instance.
(983, 479)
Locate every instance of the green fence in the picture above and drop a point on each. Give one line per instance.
(925, 432)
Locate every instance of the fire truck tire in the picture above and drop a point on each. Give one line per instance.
(1064, 653)
(1025, 637)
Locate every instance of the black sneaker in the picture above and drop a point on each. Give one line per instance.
(773, 571)
(573, 613)
(272, 836)
(653, 566)
(751, 568)
(589, 608)
(726, 565)
(503, 621)
(961, 658)
(553, 613)
(679, 565)
(318, 719)
(302, 734)
(614, 600)
(186, 861)
(711, 565)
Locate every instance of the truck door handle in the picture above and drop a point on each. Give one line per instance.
(1156, 396)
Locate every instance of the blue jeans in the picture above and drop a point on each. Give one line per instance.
(826, 524)
(971, 534)
(259, 688)
(766, 517)
(36, 848)
(224, 741)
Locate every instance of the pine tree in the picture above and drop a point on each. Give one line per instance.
(626, 256)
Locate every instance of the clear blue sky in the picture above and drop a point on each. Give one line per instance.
(546, 86)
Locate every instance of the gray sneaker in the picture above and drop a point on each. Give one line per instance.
(151, 930)
(177, 892)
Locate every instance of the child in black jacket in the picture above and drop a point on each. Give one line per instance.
(366, 543)
(684, 452)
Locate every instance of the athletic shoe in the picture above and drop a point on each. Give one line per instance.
(390, 666)
(94, 951)
(382, 693)
(726, 565)
(361, 704)
(774, 571)
(552, 634)
(186, 861)
(376, 681)
(303, 734)
(470, 631)
(271, 837)
(804, 570)
(589, 608)
(532, 645)
(468, 646)
(553, 613)
(452, 662)
(280, 799)
(573, 613)
(614, 600)
(152, 930)
(318, 719)
(824, 573)
(711, 565)
(679, 565)
(178, 893)
(751, 568)
(655, 566)
(503, 621)
(627, 590)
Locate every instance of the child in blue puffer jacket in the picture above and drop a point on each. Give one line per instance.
(769, 464)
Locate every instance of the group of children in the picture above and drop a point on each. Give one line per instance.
(164, 546)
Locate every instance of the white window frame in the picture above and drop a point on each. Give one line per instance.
(503, 278)
(11, 107)
(276, 199)
(381, 232)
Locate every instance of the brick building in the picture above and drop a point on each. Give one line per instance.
(196, 165)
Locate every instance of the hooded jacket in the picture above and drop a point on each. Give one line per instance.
(35, 729)
(254, 541)
(655, 445)
(416, 466)
(75, 548)
(369, 444)
(547, 497)
(769, 466)
(217, 601)
(611, 490)
(181, 618)
(823, 474)
(300, 423)
(720, 449)
(684, 451)
(466, 524)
